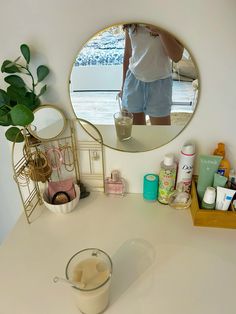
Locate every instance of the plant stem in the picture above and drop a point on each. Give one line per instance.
(28, 72)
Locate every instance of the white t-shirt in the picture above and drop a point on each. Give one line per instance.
(149, 61)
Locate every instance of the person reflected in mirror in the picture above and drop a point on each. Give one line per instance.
(147, 73)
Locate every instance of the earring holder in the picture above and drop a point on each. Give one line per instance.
(32, 159)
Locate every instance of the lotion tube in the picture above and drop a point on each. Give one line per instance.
(223, 198)
(219, 180)
(208, 166)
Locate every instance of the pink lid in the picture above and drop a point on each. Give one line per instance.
(188, 149)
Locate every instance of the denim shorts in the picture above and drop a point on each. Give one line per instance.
(152, 98)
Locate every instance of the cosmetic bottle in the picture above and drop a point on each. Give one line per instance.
(208, 166)
(115, 184)
(224, 166)
(167, 178)
(185, 167)
(232, 180)
(209, 198)
(150, 187)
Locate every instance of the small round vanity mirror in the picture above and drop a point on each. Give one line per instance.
(154, 74)
(49, 122)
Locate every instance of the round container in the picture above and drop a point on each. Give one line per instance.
(62, 208)
(92, 269)
(150, 187)
(209, 198)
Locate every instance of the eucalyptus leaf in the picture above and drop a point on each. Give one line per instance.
(17, 94)
(19, 100)
(42, 72)
(9, 67)
(14, 134)
(25, 52)
(31, 101)
(19, 90)
(21, 115)
(15, 80)
(5, 119)
(4, 98)
(42, 91)
(4, 110)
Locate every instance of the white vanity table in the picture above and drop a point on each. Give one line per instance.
(193, 269)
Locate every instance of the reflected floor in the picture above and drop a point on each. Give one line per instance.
(98, 107)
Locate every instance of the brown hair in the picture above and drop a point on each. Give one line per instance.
(135, 27)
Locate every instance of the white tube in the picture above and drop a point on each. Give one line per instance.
(223, 198)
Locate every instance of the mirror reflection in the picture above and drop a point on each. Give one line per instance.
(49, 122)
(140, 68)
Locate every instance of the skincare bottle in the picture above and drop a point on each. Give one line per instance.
(115, 184)
(185, 167)
(167, 178)
(209, 198)
(224, 166)
(208, 165)
(224, 198)
(232, 180)
(219, 180)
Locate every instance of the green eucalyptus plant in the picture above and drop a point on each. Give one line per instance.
(22, 96)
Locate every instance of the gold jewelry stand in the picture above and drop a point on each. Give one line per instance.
(38, 161)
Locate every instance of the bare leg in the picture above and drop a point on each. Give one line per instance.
(139, 118)
(160, 120)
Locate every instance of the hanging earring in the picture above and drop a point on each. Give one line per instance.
(68, 157)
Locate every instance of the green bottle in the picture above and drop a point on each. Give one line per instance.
(167, 177)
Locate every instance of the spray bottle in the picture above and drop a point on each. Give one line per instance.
(185, 168)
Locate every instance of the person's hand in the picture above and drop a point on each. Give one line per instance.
(120, 93)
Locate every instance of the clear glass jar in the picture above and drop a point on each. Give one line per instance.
(91, 269)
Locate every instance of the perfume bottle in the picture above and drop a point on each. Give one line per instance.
(115, 184)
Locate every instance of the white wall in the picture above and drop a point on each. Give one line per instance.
(9, 198)
(57, 29)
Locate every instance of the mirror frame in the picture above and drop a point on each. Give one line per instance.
(82, 121)
(30, 127)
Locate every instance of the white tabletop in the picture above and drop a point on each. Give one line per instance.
(162, 264)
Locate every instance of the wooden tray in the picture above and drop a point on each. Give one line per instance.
(209, 217)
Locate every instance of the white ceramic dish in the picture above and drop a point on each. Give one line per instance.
(63, 208)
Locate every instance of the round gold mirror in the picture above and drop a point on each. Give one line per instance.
(155, 76)
(49, 122)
